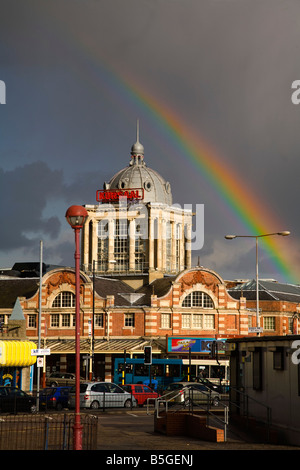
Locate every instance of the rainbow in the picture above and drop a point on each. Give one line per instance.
(254, 216)
(230, 187)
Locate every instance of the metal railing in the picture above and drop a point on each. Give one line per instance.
(45, 432)
(122, 269)
(111, 269)
(189, 402)
(243, 405)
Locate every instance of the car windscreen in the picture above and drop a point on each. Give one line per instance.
(113, 388)
(48, 391)
(82, 388)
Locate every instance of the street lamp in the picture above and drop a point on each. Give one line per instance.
(76, 216)
(284, 233)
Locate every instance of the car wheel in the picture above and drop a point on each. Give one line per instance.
(215, 401)
(128, 404)
(59, 407)
(95, 405)
(188, 402)
(33, 409)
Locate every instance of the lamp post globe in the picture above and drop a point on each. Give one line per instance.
(76, 216)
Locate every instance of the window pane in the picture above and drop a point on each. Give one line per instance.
(197, 321)
(186, 321)
(269, 323)
(64, 299)
(207, 301)
(99, 320)
(55, 320)
(32, 321)
(65, 320)
(209, 321)
(198, 299)
(129, 319)
(187, 301)
(165, 320)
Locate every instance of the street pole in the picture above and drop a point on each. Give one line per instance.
(76, 216)
(77, 444)
(39, 327)
(257, 289)
(93, 326)
(284, 233)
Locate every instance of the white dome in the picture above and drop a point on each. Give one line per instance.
(137, 175)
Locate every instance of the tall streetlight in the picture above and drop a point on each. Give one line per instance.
(76, 216)
(231, 237)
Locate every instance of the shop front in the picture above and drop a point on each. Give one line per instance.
(17, 364)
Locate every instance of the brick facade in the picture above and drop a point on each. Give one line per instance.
(230, 315)
(154, 311)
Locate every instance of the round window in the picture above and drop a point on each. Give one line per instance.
(147, 185)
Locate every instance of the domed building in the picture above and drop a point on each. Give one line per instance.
(138, 175)
(134, 230)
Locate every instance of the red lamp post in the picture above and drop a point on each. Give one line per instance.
(76, 216)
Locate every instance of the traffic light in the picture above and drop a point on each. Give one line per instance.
(148, 355)
(213, 349)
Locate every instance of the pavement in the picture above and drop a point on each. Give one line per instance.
(134, 431)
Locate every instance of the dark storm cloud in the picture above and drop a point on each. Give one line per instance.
(224, 67)
(23, 197)
(26, 193)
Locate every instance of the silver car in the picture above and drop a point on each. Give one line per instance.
(102, 394)
(191, 392)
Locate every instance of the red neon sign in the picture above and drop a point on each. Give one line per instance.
(115, 194)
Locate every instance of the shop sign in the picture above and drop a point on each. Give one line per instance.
(40, 352)
(255, 329)
(195, 344)
(103, 195)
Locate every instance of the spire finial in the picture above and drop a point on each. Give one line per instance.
(138, 130)
(137, 150)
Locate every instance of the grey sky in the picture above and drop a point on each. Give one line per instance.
(225, 67)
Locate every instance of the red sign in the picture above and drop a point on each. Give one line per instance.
(115, 194)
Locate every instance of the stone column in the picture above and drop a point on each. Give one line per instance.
(151, 244)
(159, 245)
(94, 247)
(173, 245)
(188, 248)
(132, 245)
(85, 243)
(111, 244)
(163, 245)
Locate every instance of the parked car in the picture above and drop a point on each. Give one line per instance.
(57, 379)
(211, 385)
(13, 399)
(140, 392)
(55, 397)
(102, 394)
(191, 392)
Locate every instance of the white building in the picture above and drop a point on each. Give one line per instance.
(265, 381)
(135, 229)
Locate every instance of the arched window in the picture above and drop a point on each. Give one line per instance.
(64, 299)
(198, 299)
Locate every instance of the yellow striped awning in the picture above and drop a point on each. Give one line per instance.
(17, 353)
